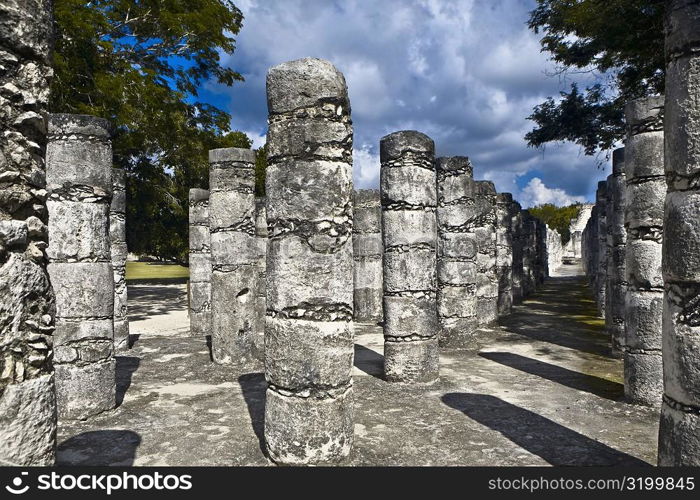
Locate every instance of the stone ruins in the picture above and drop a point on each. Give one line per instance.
(437, 260)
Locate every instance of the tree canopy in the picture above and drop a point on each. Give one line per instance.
(621, 41)
(140, 63)
(558, 218)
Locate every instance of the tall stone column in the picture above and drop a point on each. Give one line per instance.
(260, 301)
(517, 271)
(367, 252)
(601, 265)
(308, 328)
(79, 182)
(485, 230)
(118, 250)
(409, 231)
(679, 433)
(456, 254)
(234, 275)
(504, 252)
(27, 304)
(200, 263)
(542, 267)
(616, 288)
(644, 213)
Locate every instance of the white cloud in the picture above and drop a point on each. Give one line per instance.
(465, 72)
(536, 193)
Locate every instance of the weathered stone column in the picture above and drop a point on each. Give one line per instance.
(601, 266)
(616, 288)
(504, 253)
(260, 301)
(308, 328)
(456, 254)
(367, 252)
(200, 263)
(529, 244)
(118, 250)
(541, 262)
(644, 213)
(518, 242)
(679, 433)
(485, 230)
(79, 182)
(409, 231)
(555, 250)
(27, 304)
(233, 254)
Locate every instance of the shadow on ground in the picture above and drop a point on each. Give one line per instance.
(576, 380)
(562, 313)
(105, 447)
(150, 300)
(369, 361)
(126, 366)
(556, 444)
(254, 386)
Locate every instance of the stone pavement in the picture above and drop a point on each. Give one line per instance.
(542, 389)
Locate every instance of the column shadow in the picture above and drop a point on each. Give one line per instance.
(580, 381)
(106, 447)
(554, 443)
(369, 361)
(126, 366)
(254, 386)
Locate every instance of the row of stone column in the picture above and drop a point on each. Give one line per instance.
(660, 193)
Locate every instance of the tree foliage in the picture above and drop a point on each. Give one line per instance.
(558, 218)
(622, 40)
(140, 63)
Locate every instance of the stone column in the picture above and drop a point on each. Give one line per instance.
(308, 328)
(79, 182)
(234, 276)
(644, 213)
(555, 251)
(118, 250)
(601, 265)
(616, 287)
(409, 230)
(504, 253)
(485, 230)
(200, 263)
(456, 257)
(260, 301)
(367, 252)
(679, 434)
(528, 237)
(517, 272)
(541, 264)
(27, 304)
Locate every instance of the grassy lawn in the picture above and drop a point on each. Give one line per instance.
(150, 271)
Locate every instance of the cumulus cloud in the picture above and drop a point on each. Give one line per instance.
(465, 72)
(537, 193)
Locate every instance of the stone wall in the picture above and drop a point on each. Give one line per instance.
(79, 183)
(27, 303)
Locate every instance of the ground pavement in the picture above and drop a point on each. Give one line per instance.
(542, 389)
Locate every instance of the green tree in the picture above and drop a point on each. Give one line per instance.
(558, 218)
(623, 41)
(140, 63)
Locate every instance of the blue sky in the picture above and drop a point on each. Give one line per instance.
(465, 72)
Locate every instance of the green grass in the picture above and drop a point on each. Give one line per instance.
(155, 271)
